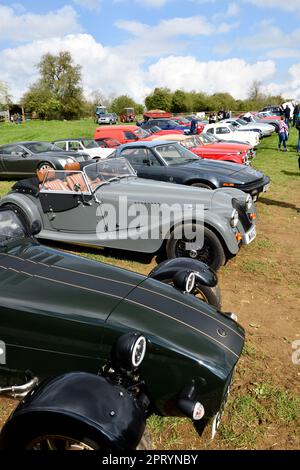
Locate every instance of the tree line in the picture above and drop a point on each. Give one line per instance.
(58, 94)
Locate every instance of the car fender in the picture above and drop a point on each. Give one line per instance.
(167, 270)
(219, 225)
(110, 414)
(25, 204)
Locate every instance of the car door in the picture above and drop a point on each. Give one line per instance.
(67, 201)
(18, 161)
(146, 164)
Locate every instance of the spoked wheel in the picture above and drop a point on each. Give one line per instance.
(209, 295)
(45, 166)
(53, 442)
(211, 252)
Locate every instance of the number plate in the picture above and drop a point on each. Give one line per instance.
(250, 236)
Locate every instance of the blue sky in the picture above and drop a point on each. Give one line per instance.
(131, 46)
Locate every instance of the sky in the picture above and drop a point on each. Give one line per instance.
(132, 46)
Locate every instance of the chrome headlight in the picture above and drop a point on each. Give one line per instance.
(249, 202)
(234, 218)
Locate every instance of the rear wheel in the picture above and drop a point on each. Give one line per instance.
(45, 166)
(211, 253)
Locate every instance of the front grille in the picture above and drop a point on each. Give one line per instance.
(243, 215)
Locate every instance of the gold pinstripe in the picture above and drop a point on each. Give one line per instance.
(183, 323)
(123, 282)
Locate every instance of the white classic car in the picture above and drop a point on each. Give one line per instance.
(88, 146)
(227, 132)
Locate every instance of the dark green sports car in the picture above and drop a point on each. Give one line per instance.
(112, 346)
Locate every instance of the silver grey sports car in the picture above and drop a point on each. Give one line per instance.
(105, 204)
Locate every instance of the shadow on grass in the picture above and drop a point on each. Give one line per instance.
(273, 202)
(123, 255)
(291, 173)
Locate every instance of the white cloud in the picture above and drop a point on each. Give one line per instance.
(147, 3)
(26, 27)
(290, 89)
(169, 35)
(101, 66)
(89, 4)
(234, 76)
(190, 26)
(283, 53)
(287, 5)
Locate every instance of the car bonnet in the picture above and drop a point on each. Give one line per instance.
(181, 322)
(45, 280)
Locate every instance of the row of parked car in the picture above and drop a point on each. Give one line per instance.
(86, 344)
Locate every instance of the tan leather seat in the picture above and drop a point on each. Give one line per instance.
(76, 180)
(56, 185)
(74, 166)
(52, 183)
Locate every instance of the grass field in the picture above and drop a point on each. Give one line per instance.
(261, 285)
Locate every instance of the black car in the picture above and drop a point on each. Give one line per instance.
(22, 159)
(171, 162)
(164, 124)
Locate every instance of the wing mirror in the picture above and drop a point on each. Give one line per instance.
(35, 227)
(146, 162)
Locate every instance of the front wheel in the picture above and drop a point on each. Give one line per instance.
(209, 295)
(211, 253)
(53, 433)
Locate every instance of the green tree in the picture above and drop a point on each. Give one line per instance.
(58, 92)
(160, 98)
(5, 98)
(124, 101)
(180, 102)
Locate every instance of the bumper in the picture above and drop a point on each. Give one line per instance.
(256, 187)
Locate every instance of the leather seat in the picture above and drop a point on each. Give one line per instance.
(74, 166)
(74, 180)
(52, 183)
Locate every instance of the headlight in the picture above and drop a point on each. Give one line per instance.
(234, 218)
(129, 351)
(249, 202)
(185, 281)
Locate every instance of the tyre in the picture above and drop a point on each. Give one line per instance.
(146, 441)
(201, 185)
(45, 166)
(212, 252)
(209, 295)
(48, 432)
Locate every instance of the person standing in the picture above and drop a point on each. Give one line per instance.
(193, 128)
(287, 115)
(282, 134)
(297, 125)
(295, 114)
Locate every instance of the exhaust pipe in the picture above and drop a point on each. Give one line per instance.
(20, 391)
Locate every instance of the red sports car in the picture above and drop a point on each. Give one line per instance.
(237, 154)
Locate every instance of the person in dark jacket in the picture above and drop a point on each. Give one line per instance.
(193, 128)
(287, 115)
(296, 113)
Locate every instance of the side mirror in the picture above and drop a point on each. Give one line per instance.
(35, 228)
(146, 162)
